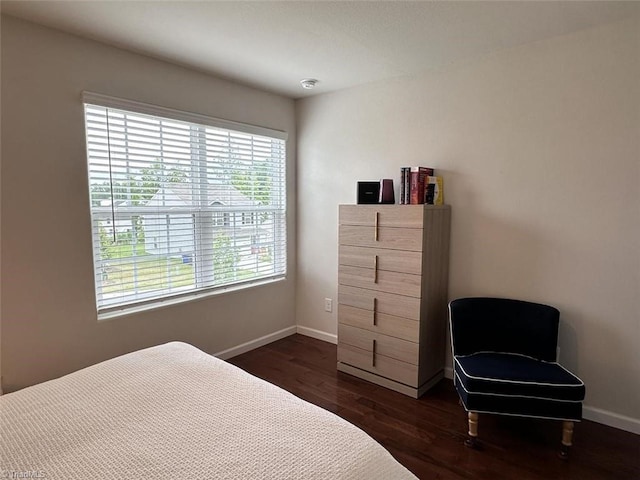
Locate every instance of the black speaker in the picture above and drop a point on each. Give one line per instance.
(368, 192)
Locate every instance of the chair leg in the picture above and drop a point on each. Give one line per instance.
(472, 439)
(567, 439)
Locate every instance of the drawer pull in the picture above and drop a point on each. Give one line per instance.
(375, 311)
(375, 269)
(375, 231)
(373, 354)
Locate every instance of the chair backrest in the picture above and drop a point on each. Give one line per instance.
(503, 325)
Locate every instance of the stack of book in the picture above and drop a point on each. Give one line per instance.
(420, 185)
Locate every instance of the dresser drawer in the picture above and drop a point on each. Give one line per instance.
(411, 216)
(381, 259)
(381, 302)
(382, 323)
(391, 368)
(379, 344)
(391, 282)
(395, 238)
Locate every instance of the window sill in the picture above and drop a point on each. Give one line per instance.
(191, 297)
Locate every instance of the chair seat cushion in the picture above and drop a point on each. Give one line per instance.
(507, 374)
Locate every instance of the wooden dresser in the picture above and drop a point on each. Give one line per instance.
(392, 294)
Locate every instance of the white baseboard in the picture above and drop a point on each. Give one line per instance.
(448, 373)
(320, 335)
(611, 419)
(253, 344)
(272, 337)
(597, 415)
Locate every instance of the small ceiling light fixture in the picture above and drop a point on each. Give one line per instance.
(308, 83)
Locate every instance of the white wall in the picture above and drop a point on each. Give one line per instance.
(1, 390)
(539, 147)
(49, 324)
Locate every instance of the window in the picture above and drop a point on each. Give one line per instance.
(220, 219)
(177, 202)
(248, 218)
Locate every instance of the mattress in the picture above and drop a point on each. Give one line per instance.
(174, 412)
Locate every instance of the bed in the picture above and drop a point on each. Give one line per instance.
(173, 411)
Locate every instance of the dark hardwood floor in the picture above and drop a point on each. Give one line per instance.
(427, 435)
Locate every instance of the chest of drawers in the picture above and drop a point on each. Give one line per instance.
(392, 294)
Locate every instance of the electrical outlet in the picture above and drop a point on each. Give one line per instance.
(328, 305)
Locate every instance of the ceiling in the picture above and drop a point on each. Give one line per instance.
(273, 45)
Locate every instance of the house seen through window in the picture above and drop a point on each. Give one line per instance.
(180, 206)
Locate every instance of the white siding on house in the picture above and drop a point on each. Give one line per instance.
(167, 233)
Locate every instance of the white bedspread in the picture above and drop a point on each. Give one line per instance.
(173, 411)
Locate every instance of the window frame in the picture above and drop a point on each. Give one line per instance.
(220, 216)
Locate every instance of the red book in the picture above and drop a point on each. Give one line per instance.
(417, 184)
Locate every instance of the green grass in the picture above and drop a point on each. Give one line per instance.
(125, 250)
(151, 274)
(123, 275)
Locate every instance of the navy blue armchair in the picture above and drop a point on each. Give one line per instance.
(504, 355)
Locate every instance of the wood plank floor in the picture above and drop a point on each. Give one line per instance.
(426, 435)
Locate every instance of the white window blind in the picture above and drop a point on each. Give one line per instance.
(181, 203)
